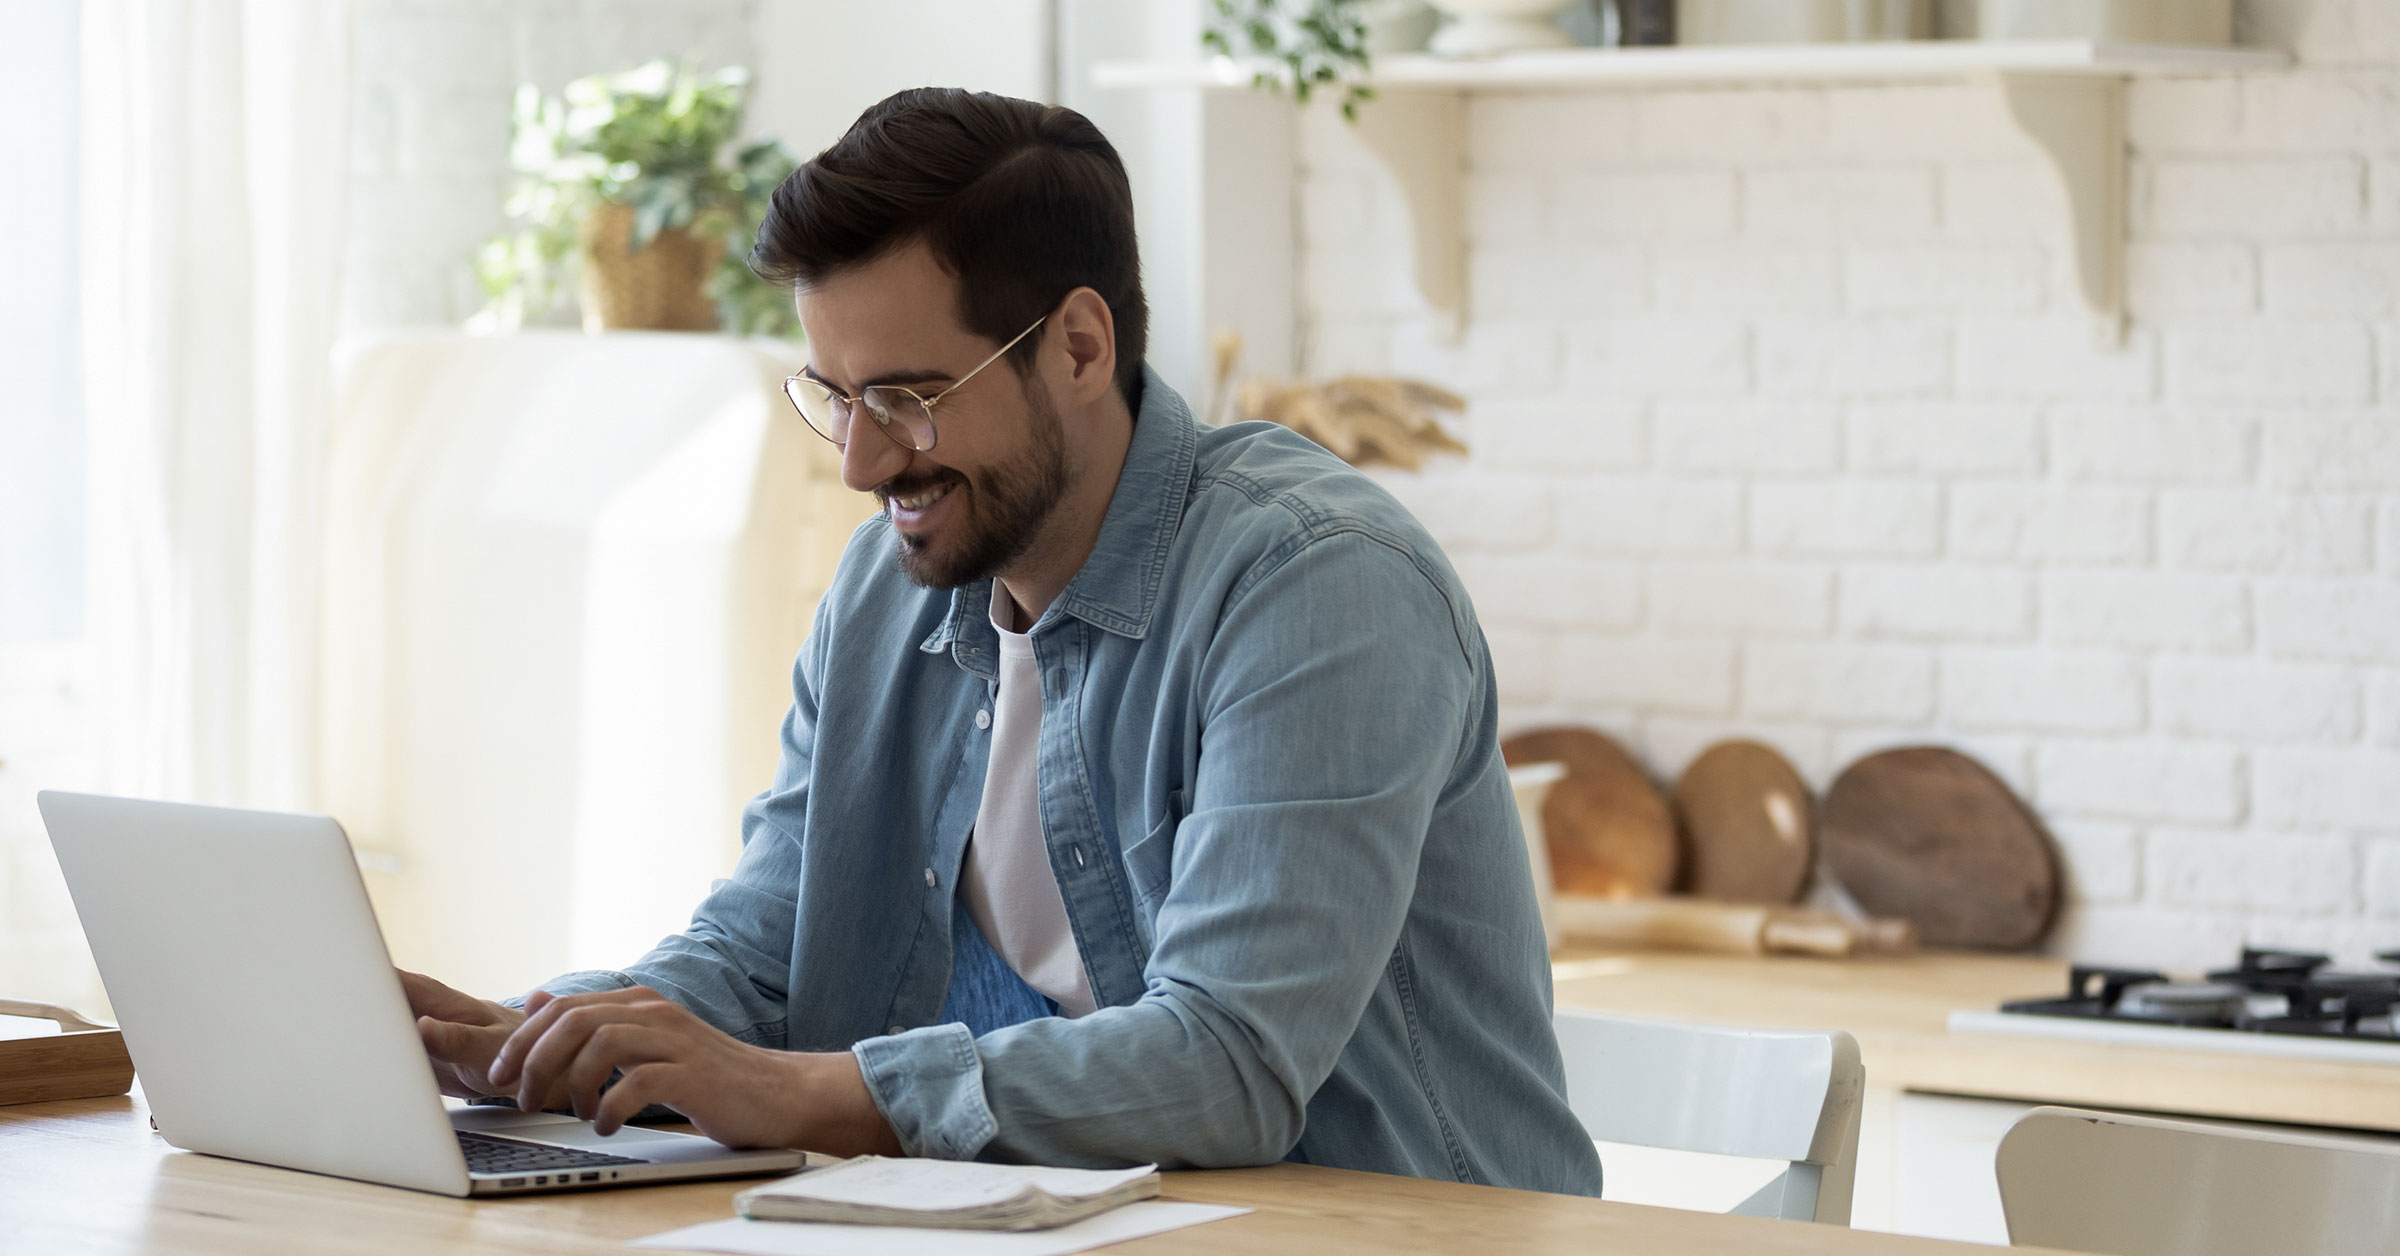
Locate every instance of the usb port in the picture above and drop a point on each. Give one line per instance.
(591, 1177)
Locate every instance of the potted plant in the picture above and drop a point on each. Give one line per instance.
(630, 182)
(1298, 45)
(1302, 46)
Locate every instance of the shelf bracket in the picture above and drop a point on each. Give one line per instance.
(2078, 121)
(1420, 139)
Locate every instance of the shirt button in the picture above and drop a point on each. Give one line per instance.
(983, 719)
(897, 1029)
(930, 879)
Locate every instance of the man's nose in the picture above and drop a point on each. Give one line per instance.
(871, 456)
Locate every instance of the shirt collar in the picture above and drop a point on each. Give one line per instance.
(1117, 587)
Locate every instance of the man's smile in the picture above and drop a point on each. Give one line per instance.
(912, 505)
(919, 501)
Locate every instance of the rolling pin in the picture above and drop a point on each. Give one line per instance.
(1690, 924)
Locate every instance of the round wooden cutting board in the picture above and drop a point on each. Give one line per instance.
(1748, 835)
(1610, 833)
(1931, 836)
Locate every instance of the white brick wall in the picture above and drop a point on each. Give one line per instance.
(2046, 523)
(2383, 708)
(1688, 677)
(2263, 703)
(2281, 873)
(1846, 517)
(2271, 361)
(2383, 876)
(1944, 438)
(1655, 516)
(2247, 530)
(2140, 778)
(2145, 446)
(1839, 684)
(1787, 423)
(2145, 611)
(2051, 691)
(1788, 438)
(1936, 601)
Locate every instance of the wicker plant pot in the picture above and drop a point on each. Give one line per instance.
(662, 287)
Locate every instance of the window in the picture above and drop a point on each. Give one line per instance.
(46, 735)
(41, 425)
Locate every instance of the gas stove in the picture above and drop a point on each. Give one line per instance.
(2274, 1002)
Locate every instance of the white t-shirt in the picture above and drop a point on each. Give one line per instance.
(1011, 892)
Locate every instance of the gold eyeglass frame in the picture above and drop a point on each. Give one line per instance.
(884, 421)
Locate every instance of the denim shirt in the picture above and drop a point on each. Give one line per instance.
(1272, 790)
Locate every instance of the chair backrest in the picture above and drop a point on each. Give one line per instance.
(1769, 1094)
(2137, 1185)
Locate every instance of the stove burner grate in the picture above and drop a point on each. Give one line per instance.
(2271, 991)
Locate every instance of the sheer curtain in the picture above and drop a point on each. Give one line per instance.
(216, 150)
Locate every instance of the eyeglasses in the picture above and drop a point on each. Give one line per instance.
(900, 412)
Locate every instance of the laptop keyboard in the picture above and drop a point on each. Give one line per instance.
(486, 1154)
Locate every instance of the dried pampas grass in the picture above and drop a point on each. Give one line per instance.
(1365, 420)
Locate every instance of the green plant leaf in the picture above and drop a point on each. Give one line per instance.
(658, 138)
(1304, 45)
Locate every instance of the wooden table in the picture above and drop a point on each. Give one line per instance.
(88, 1176)
(1899, 1009)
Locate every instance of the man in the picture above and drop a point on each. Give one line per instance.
(1141, 797)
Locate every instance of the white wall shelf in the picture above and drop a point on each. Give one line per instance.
(2067, 96)
(1896, 61)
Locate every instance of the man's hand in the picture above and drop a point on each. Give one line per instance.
(462, 1034)
(738, 1094)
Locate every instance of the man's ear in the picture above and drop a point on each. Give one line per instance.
(1088, 333)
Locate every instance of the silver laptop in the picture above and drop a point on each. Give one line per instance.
(266, 1022)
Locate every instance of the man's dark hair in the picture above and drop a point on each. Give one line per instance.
(1023, 202)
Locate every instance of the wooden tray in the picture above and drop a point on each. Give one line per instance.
(1749, 831)
(83, 1061)
(1609, 829)
(1929, 835)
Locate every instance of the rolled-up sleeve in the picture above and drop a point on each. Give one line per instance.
(928, 1083)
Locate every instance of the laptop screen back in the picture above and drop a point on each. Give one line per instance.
(261, 1010)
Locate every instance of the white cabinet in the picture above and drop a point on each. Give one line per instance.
(567, 576)
(1937, 1158)
(1940, 1165)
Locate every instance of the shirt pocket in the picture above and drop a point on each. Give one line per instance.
(1150, 862)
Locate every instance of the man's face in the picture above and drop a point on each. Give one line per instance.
(979, 499)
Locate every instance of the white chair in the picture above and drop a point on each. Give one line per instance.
(1766, 1094)
(2138, 1185)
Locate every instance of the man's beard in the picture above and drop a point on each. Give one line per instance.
(1006, 506)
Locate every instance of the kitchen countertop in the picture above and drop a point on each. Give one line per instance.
(1899, 1008)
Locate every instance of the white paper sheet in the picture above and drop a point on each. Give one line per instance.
(800, 1238)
